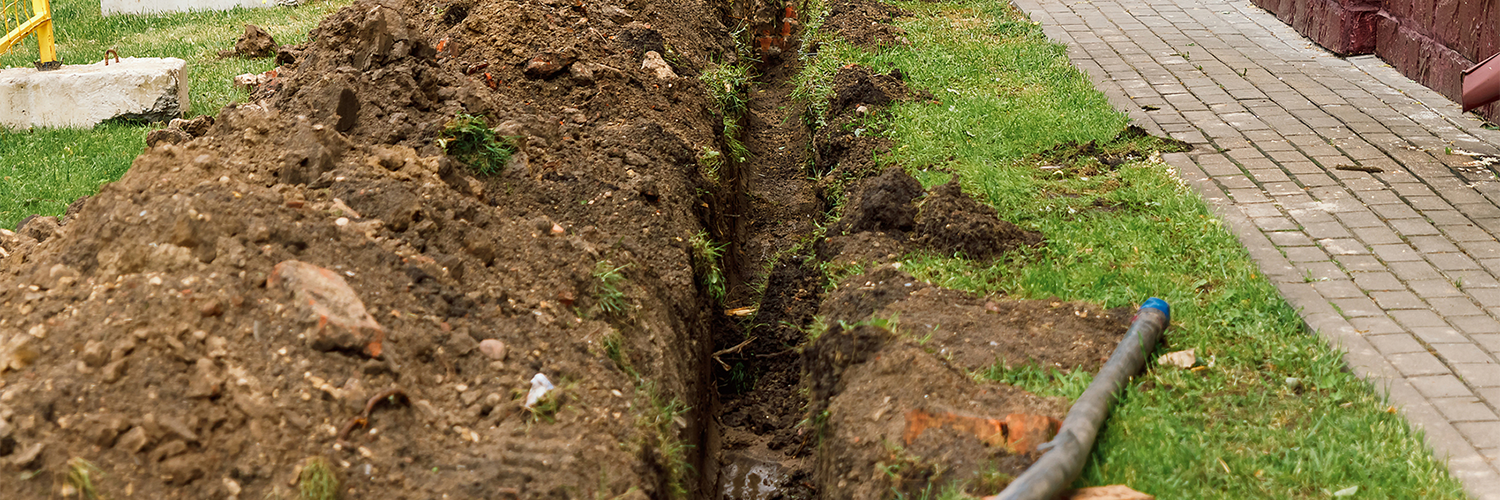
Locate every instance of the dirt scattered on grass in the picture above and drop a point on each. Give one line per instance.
(1092, 157)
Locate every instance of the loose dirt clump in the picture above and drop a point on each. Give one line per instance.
(1093, 157)
(952, 222)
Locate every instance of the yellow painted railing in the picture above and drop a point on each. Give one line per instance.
(20, 21)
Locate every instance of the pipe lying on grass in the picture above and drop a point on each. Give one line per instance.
(1066, 453)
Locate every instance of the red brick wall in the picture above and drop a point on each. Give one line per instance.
(1430, 41)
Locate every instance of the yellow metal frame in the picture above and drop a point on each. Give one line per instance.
(40, 23)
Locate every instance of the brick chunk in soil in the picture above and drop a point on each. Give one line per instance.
(337, 318)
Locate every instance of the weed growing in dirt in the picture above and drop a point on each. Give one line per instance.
(79, 479)
(317, 480)
(728, 85)
(1116, 234)
(710, 162)
(42, 170)
(706, 255)
(470, 140)
(607, 280)
(660, 416)
(614, 349)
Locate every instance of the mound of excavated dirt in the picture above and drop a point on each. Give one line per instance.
(865, 23)
(149, 332)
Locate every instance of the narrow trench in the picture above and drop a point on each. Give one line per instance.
(757, 449)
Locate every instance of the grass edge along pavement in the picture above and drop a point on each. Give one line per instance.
(43, 170)
(1270, 412)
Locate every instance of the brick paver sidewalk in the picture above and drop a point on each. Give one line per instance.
(1398, 266)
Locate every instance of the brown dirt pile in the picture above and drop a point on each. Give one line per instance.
(141, 333)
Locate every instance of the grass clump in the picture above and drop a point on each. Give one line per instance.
(607, 281)
(79, 479)
(470, 140)
(1116, 234)
(317, 481)
(706, 256)
(659, 417)
(728, 85)
(710, 162)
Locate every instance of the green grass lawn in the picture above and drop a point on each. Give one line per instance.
(42, 170)
(1115, 236)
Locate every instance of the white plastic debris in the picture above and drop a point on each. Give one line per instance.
(1181, 359)
(539, 388)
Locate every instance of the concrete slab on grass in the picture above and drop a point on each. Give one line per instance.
(82, 96)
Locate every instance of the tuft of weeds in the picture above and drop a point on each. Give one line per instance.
(317, 481)
(710, 163)
(659, 417)
(607, 280)
(728, 85)
(467, 138)
(614, 349)
(78, 480)
(706, 256)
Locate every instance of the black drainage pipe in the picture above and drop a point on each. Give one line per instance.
(1065, 454)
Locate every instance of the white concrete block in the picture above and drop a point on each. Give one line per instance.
(81, 96)
(111, 7)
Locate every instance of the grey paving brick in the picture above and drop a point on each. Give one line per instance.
(1378, 325)
(1478, 374)
(1443, 334)
(1377, 281)
(1417, 364)
(1462, 353)
(1359, 262)
(1396, 253)
(1418, 318)
(1434, 288)
(1482, 434)
(1452, 261)
(1432, 244)
(1358, 306)
(1414, 271)
(1475, 324)
(1441, 386)
(1289, 238)
(1396, 343)
(1413, 227)
(1375, 235)
(1465, 409)
(1454, 306)
(1304, 254)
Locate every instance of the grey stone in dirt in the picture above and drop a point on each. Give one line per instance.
(335, 315)
(27, 455)
(94, 354)
(654, 64)
(133, 440)
(492, 348)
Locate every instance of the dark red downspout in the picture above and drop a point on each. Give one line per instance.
(1482, 83)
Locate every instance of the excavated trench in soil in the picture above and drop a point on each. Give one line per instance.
(308, 287)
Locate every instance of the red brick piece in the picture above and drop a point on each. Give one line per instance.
(337, 318)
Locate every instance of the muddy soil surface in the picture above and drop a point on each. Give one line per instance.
(309, 277)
